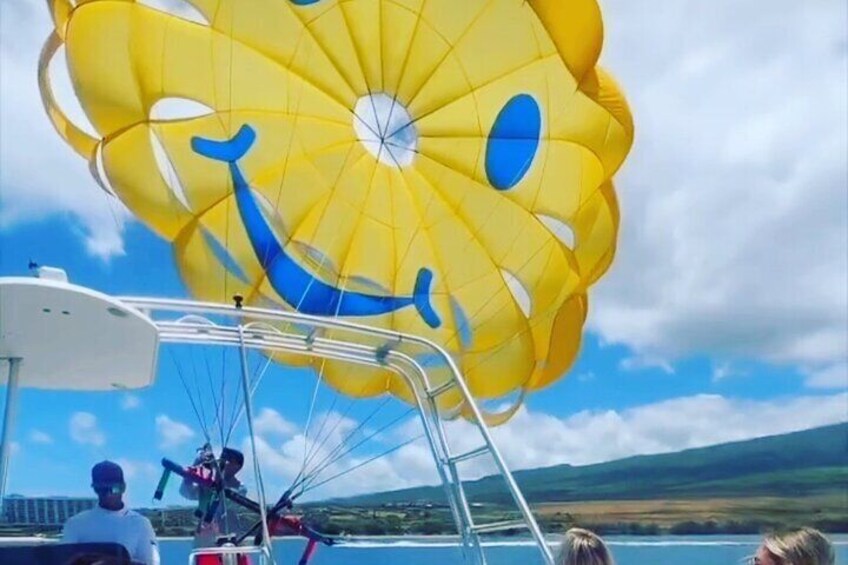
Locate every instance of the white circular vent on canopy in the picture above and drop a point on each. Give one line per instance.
(383, 125)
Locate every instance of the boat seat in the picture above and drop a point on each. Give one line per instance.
(65, 554)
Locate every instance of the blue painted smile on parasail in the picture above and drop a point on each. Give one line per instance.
(297, 286)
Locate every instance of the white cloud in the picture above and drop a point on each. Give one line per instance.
(282, 463)
(734, 213)
(734, 208)
(135, 469)
(40, 176)
(130, 402)
(14, 448)
(329, 430)
(534, 439)
(37, 436)
(171, 432)
(640, 363)
(141, 478)
(833, 376)
(270, 422)
(84, 429)
(586, 376)
(671, 425)
(332, 447)
(722, 371)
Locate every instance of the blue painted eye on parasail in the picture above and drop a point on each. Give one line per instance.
(304, 2)
(513, 142)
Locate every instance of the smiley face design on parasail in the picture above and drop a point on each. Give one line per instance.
(437, 167)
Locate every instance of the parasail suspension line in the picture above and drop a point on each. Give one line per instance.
(254, 384)
(304, 475)
(338, 453)
(307, 488)
(201, 422)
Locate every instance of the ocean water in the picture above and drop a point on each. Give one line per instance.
(692, 550)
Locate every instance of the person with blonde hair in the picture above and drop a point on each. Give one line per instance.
(582, 547)
(805, 546)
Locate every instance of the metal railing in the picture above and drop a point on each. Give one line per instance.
(269, 330)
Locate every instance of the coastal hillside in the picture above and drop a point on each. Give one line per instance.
(806, 463)
(739, 488)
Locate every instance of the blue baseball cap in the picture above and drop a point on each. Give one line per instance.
(106, 474)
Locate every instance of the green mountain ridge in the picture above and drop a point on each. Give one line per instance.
(802, 463)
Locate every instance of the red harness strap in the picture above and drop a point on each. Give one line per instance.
(217, 560)
(311, 546)
(293, 525)
(288, 525)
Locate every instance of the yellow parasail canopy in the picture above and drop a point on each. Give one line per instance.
(437, 167)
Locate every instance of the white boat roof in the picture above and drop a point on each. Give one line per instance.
(73, 338)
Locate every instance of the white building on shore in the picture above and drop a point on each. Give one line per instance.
(43, 510)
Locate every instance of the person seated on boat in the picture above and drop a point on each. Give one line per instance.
(226, 468)
(804, 546)
(582, 547)
(110, 521)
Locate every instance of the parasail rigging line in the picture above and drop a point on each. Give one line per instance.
(320, 378)
(346, 437)
(340, 417)
(219, 416)
(358, 466)
(236, 402)
(307, 481)
(199, 394)
(305, 478)
(308, 456)
(310, 413)
(333, 456)
(308, 459)
(255, 380)
(201, 422)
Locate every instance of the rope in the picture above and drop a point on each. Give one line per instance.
(359, 465)
(327, 463)
(200, 420)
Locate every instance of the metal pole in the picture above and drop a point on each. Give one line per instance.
(341, 349)
(517, 496)
(248, 412)
(8, 429)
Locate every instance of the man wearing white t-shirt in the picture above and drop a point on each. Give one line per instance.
(110, 522)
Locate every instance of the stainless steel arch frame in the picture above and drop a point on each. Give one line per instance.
(258, 329)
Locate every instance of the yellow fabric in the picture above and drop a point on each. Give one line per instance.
(80, 141)
(297, 73)
(60, 11)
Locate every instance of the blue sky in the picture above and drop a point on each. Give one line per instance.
(724, 317)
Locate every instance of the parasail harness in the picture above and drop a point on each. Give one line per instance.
(213, 491)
